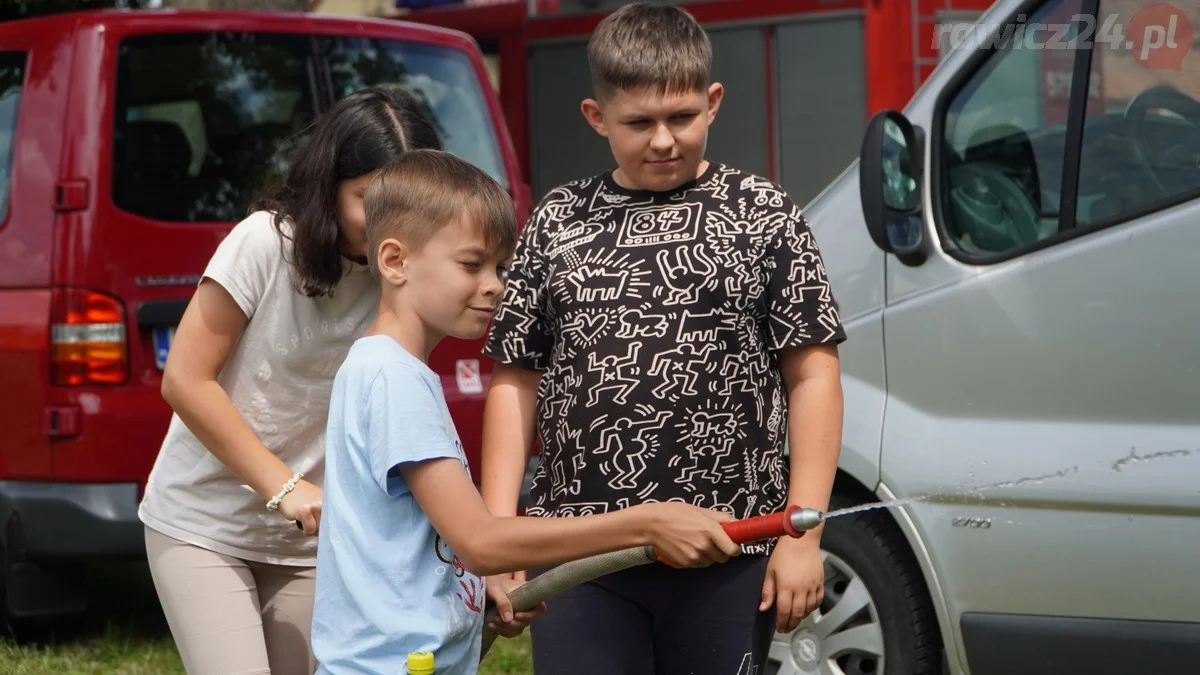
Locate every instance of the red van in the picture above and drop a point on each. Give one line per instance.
(130, 143)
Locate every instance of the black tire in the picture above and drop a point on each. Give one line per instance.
(871, 543)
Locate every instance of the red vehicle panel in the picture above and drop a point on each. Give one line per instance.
(101, 244)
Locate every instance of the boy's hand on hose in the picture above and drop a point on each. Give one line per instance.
(688, 535)
(511, 624)
(303, 504)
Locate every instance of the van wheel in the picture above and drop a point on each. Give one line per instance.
(876, 618)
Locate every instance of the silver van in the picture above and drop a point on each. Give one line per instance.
(1017, 260)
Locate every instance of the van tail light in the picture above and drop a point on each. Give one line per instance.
(87, 339)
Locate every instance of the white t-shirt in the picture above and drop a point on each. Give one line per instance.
(279, 377)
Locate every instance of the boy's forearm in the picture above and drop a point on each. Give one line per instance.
(488, 544)
(815, 410)
(519, 543)
(508, 432)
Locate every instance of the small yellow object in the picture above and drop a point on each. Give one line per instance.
(420, 663)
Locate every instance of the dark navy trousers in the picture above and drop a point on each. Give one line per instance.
(657, 620)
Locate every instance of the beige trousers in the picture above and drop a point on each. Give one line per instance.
(230, 616)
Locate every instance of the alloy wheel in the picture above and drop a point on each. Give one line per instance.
(842, 637)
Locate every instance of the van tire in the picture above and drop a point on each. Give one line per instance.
(872, 544)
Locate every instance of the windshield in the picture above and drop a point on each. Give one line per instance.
(205, 121)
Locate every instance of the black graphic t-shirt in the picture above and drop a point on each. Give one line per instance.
(655, 319)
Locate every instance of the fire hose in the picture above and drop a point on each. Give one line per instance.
(793, 521)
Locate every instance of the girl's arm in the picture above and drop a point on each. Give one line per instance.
(207, 333)
(488, 545)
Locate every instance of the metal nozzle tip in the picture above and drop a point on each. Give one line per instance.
(806, 519)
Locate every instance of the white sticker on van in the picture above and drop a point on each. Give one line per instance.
(466, 373)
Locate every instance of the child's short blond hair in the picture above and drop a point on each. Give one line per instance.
(644, 45)
(425, 190)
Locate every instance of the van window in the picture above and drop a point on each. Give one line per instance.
(1141, 143)
(1003, 143)
(1002, 146)
(12, 77)
(201, 118)
(205, 121)
(444, 77)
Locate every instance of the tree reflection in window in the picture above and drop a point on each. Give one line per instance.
(207, 121)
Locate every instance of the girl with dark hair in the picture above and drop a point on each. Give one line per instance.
(249, 377)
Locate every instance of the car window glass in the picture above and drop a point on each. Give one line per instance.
(12, 78)
(1002, 145)
(1141, 134)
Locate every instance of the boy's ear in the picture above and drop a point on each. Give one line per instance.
(594, 115)
(716, 93)
(392, 259)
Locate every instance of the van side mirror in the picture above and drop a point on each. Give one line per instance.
(889, 182)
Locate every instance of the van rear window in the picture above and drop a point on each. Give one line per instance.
(12, 77)
(444, 77)
(204, 121)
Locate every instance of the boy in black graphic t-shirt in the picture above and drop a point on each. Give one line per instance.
(667, 326)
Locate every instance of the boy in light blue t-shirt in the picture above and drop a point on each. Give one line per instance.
(405, 538)
(387, 410)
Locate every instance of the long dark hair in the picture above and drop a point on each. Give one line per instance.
(361, 133)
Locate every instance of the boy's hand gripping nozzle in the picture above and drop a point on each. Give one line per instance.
(793, 521)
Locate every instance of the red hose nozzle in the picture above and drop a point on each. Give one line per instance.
(793, 521)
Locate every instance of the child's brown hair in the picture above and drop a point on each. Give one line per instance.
(425, 190)
(644, 45)
(361, 133)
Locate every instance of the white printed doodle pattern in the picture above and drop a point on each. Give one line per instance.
(653, 318)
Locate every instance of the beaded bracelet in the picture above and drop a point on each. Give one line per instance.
(273, 505)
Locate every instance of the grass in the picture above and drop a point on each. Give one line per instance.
(124, 633)
(508, 657)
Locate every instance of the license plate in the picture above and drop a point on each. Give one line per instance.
(162, 345)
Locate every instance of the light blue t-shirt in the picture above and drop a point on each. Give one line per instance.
(387, 584)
